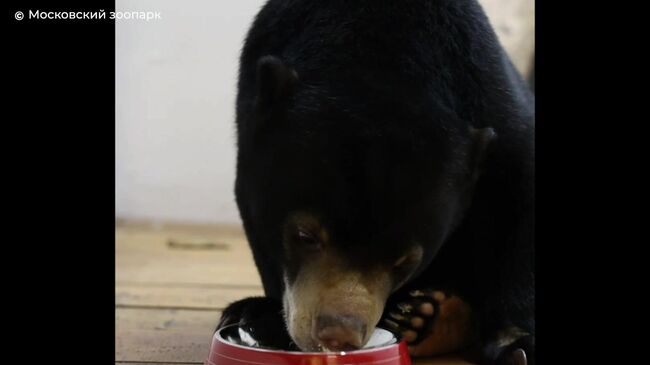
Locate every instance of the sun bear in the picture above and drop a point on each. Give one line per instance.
(385, 176)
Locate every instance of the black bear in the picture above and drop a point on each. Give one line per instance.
(385, 176)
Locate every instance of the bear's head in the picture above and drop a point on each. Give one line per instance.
(352, 190)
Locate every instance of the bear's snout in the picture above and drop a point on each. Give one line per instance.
(340, 332)
(331, 306)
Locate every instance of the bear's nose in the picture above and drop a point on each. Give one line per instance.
(340, 332)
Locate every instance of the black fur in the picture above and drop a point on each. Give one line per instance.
(378, 116)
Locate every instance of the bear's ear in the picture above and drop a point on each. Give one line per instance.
(482, 139)
(275, 83)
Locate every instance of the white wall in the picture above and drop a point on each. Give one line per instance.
(175, 97)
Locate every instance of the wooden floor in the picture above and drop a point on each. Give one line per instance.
(172, 281)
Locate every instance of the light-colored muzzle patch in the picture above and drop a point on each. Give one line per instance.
(332, 307)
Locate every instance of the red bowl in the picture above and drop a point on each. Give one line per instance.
(226, 352)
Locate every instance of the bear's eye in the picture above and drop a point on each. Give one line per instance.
(307, 239)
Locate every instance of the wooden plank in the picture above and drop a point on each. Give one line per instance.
(184, 271)
(174, 240)
(212, 257)
(192, 297)
(163, 335)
